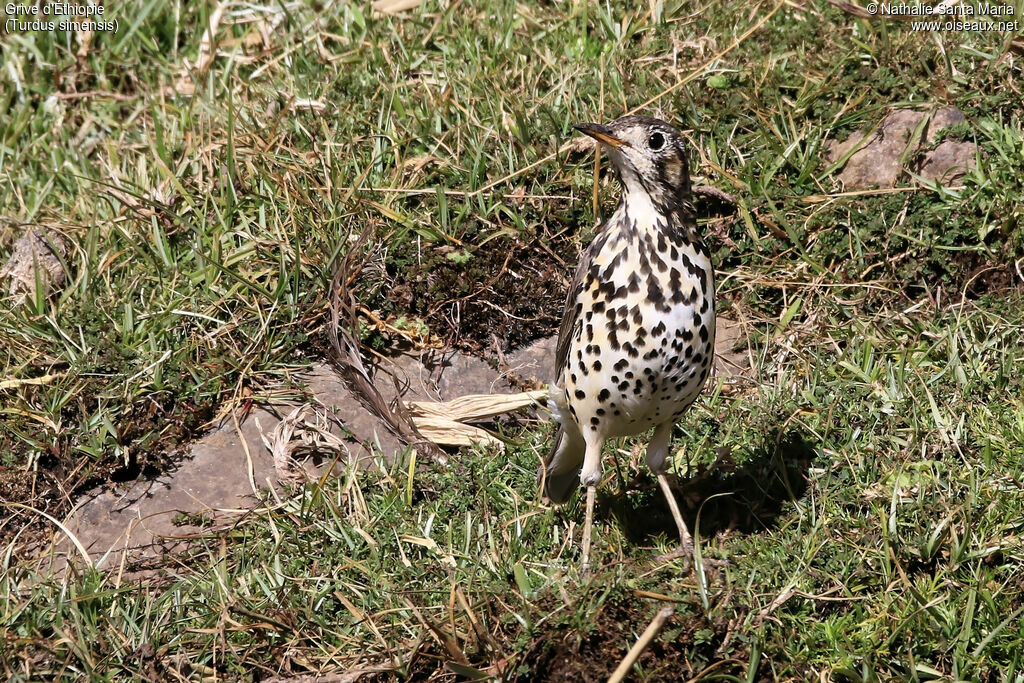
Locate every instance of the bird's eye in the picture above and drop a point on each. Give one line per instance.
(656, 141)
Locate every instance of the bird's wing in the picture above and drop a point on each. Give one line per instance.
(570, 315)
(560, 470)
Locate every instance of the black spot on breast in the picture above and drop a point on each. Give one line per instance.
(580, 394)
(634, 283)
(620, 365)
(599, 411)
(595, 421)
(622, 387)
(596, 366)
(590, 333)
(704, 334)
(654, 294)
(658, 329)
(604, 395)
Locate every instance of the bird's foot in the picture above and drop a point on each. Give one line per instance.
(677, 554)
(686, 552)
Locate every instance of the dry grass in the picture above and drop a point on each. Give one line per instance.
(210, 167)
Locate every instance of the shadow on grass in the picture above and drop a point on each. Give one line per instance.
(746, 498)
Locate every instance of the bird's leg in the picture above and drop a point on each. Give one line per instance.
(657, 461)
(590, 475)
(588, 525)
(685, 539)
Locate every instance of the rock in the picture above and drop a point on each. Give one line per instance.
(40, 248)
(878, 161)
(949, 162)
(940, 120)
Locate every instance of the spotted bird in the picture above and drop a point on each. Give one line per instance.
(638, 334)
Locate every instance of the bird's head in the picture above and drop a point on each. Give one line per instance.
(648, 154)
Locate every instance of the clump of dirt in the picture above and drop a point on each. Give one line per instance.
(512, 290)
(687, 644)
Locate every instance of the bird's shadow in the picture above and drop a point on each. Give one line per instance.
(746, 498)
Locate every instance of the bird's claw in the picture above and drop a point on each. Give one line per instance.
(686, 553)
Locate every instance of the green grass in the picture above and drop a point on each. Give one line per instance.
(869, 499)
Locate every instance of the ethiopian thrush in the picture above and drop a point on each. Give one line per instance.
(638, 333)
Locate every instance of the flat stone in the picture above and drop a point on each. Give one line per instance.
(878, 161)
(226, 470)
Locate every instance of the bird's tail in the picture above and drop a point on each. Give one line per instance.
(560, 471)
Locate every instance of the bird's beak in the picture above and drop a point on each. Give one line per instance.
(601, 134)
